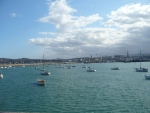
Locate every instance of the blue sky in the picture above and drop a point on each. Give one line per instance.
(73, 28)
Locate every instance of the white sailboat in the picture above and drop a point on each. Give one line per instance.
(1, 75)
(44, 72)
(141, 69)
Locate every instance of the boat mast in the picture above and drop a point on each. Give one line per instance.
(140, 58)
(43, 61)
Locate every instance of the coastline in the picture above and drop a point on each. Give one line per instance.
(13, 65)
(33, 64)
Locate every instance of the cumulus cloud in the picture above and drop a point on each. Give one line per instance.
(127, 28)
(134, 20)
(61, 16)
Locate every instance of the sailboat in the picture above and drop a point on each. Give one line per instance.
(91, 70)
(141, 69)
(115, 68)
(44, 72)
(1, 75)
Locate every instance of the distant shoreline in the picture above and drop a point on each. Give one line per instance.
(8, 65)
(32, 64)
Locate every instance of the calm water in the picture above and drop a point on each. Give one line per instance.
(75, 90)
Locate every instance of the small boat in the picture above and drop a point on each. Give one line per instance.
(115, 68)
(147, 77)
(58, 66)
(141, 69)
(1, 75)
(84, 66)
(42, 69)
(40, 82)
(45, 73)
(91, 70)
(69, 67)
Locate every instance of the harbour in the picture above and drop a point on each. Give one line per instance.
(75, 89)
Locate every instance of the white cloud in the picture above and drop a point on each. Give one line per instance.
(130, 15)
(127, 28)
(13, 15)
(61, 15)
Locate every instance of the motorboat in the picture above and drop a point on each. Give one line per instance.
(91, 70)
(84, 66)
(45, 73)
(115, 68)
(147, 77)
(1, 75)
(40, 82)
(42, 69)
(58, 66)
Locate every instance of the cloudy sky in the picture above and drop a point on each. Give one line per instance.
(73, 28)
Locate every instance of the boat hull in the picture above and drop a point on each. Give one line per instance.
(116, 68)
(45, 73)
(91, 70)
(147, 77)
(1, 75)
(141, 70)
(40, 82)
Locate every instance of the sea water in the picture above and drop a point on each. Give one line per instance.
(76, 90)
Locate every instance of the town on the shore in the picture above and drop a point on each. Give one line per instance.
(91, 59)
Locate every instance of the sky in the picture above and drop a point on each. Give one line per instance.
(73, 28)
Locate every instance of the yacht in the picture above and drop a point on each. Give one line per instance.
(84, 66)
(91, 70)
(141, 69)
(115, 68)
(45, 73)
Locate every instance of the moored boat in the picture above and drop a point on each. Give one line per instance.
(147, 77)
(40, 82)
(91, 70)
(84, 66)
(141, 69)
(45, 73)
(115, 68)
(1, 75)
